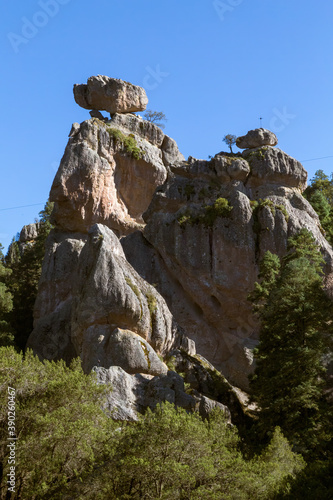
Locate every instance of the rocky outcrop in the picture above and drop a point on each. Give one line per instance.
(208, 227)
(51, 337)
(152, 257)
(132, 394)
(109, 295)
(257, 138)
(108, 174)
(92, 303)
(272, 168)
(110, 94)
(29, 232)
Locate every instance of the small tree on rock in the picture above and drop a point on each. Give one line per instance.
(230, 140)
(156, 117)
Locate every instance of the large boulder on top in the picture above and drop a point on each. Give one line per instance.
(110, 94)
(256, 138)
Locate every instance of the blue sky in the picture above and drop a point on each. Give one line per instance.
(213, 67)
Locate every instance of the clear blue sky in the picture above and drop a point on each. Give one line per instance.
(212, 67)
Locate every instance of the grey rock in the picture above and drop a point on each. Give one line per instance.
(170, 152)
(120, 348)
(130, 395)
(136, 125)
(207, 405)
(257, 138)
(242, 363)
(97, 114)
(205, 272)
(51, 336)
(110, 94)
(272, 167)
(188, 345)
(74, 130)
(29, 232)
(233, 168)
(210, 389)
(122, 402)
(169, 388)
(110, 294)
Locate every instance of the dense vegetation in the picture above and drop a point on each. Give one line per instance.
(289, 380)
(320, 194)
(67, 447)
(19, 277)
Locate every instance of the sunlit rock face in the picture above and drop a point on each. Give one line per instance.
(152, 256)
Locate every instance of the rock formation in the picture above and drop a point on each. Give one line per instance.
(256, 139)
(102, 93)
(152, 257)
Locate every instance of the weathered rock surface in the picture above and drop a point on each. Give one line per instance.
(110, 94)
(102, 179)
(51, 337)
(132, 394)
(29, 232)
(132, 353)
(194, 229)
(206, 266)
(272, 167)
(170, 151)
(257, 138)
(93, 304)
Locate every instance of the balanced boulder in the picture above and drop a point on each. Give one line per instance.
(110, 94)
(256, 138)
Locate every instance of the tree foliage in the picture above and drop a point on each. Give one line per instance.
(296, 328)
(60, 426)
(157, 117)
(6, 304)
(320, 194)
(25, 270)
(230, 140)
(67, 447)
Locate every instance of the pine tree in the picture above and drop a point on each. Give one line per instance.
(320, 194)
(6, 305)
(295, 316)
(23, 283)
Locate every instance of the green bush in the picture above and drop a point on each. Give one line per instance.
(128, 141)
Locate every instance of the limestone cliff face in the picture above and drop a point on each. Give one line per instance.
(150, 250)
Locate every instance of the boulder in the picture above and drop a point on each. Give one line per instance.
(170, 151)
(130, 395)
(120, 348)
(122, 401)
(110, 94)
(256, 138)
(272, 167)
(29, 232)
(206, 406)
